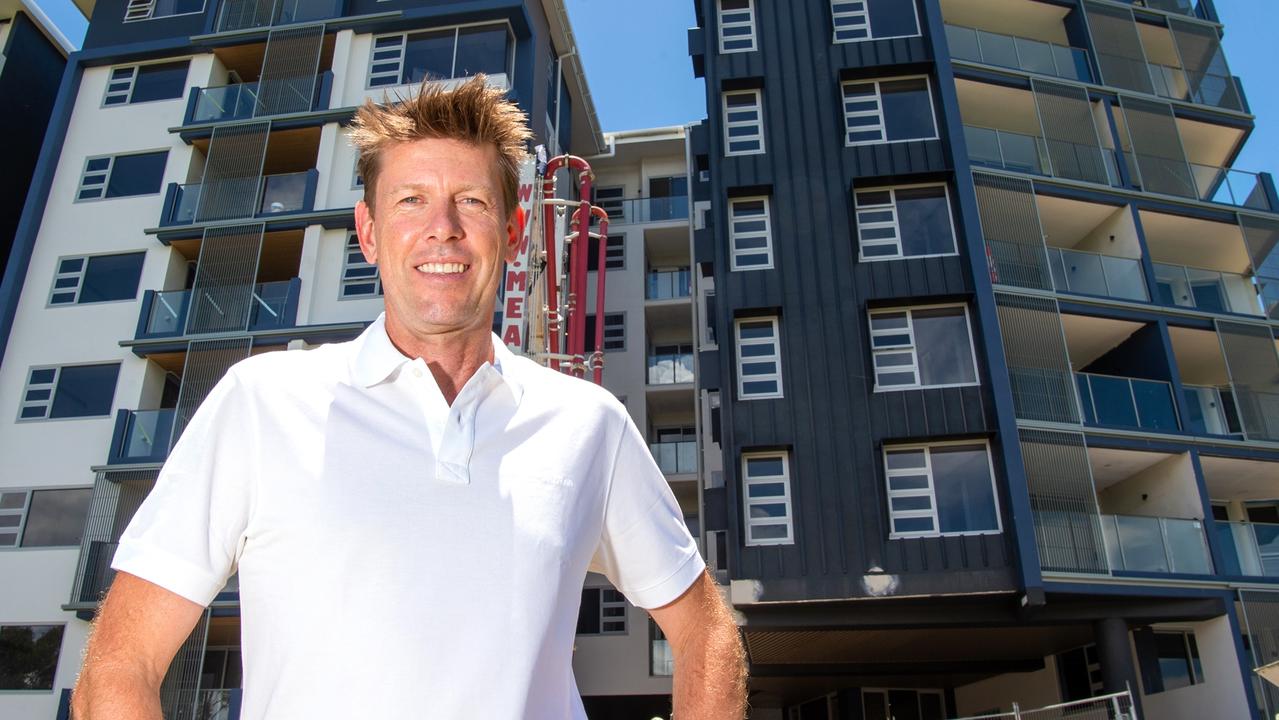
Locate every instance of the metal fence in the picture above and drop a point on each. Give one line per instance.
(1117, 706)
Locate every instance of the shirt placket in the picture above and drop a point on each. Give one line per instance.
(453, 464)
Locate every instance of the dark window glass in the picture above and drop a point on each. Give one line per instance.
(965, 496)
(112, 277)
(588, 616)
(29, 656)
(159, 82)
(56, 517)
(908, 113)
(42, 376)
(165, 8)
(430, 55)
(481, 50)
(137, 174)
(1174, 661)
(85, 390)
(892, 18)
(924, 218)
(70, 265)
(943, 346)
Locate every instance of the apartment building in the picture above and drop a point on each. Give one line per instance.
(996, 384)
(192, 206)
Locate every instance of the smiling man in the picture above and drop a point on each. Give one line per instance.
(412, 513)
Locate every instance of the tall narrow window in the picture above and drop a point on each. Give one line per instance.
(614, 332)
(743, 122)
(856, 20)
(904, 222)
(611, 200)
(888, 111)
(736, 26)
(750, 237)
(759, 359)
(922, 347)
(766, 498)
(360, 278)
(602, 612)
(940, 490)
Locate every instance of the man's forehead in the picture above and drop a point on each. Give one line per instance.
(431, 160)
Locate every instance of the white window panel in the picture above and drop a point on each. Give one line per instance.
(68, 280)
(388, 60)
(750, 233)
(759, 358)
(360, 278)
(37, 398)
(736, 26)
(612, 612)
(851, 20)
(941, 489)
(93, 182)
(139, 10)
(766, 498)
(878, 233)
(743, 122)
(120, 86)
(927, 346)
(868, 119)
(886, 230)
(858, 20)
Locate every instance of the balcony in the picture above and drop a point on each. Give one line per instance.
(668, 284)
(1249, 548)
(1035, 56)
(1023, 153)
(1132, 403)
(283, 194)
(208, 704)
(1208, 183)
(251, 14)
(1181, 7)
(98, 574)
(670, 368)
(1156, 545)
(1092, 273)
(1212, 89)
(141, 437)
(164, 314)
(241, 101)
(1207, 290)
(1211, 411)
(675, 458)
(647, 210)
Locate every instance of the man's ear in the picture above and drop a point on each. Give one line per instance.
(364, 230)
(514, 233)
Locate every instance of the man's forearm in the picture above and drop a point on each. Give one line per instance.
(114, 694)
(710, 670)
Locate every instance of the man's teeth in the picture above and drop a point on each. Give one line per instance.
(442, 268)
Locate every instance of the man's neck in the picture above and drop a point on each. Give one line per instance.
(453, 357)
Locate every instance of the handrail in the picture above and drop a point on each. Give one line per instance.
(1151, 420)
(1078, 69)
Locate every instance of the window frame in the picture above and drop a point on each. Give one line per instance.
(590, 320)
(614, 251)
(107, 93)
(509, 70)
(62, 625)
(655, 635)
(786, 498)
(931, 491)
(1190, 655)
(896, 223)
(913, 347)
(106, 175)
(52, 386)
(84, 269)
(605, 203)
(870, 33)
(618, 601)
(344, 281)
(776, 357)
(150, 11)
(759, 123)
(753, 37)
(879, 111)
(25, 512)
(767, 233)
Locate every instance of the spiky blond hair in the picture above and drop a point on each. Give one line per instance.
(473, 112)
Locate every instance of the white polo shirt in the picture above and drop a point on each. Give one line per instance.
(398, 557)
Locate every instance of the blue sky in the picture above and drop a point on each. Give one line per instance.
(636, 59)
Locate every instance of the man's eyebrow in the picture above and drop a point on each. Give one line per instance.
(462, 187)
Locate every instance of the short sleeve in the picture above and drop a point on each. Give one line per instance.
(645, 549)
(187, 534)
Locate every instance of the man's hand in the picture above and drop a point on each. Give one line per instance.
(139, 629)
(710, 667)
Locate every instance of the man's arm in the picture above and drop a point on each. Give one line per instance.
(139, 629)
(710, 667)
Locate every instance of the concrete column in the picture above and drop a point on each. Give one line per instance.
(1115, 654)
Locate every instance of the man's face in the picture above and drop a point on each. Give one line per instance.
(438, 232)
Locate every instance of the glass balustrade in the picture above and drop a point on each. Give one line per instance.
(276, 194)
(1228, 186)
(226, 102)
(1207, 290)
(1030, 154)
(668, 284)
(283, 193)
(675, 458)
(670, 368)
(646, 210)
(1110, 401)
(168, 313)
(246, 14)
(1018, 52)
(270, 301)
(1156, 545)
(1096, 274)
(185, 201)
(1182, 7)
(1249, 548)
(1211, 411)
(147, 435)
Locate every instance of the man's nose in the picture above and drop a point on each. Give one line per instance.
(443, 221)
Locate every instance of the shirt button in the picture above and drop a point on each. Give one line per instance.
(417, 372)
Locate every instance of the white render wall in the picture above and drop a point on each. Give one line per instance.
(1221, 695)
(1029, 690)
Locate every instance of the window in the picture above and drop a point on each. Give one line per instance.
(43, 518)
(856, 20)
(1168, 659)
(603, 612)
(766, 498)
(888, 111)
(145, 83)
(749, 235)
(153, 9)
(614, 254)
(940, 490)
(743, 123)
(904, 222)
(922, 347)
(611, 200)
(614, 332)
(122, 175)
(96, 278)
(69, 391)
(360, 278)
(30, 655)
(661, 659)
(759, 359)
(440, 54)
(736, 26)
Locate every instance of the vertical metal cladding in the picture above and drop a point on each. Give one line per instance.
(1156, 145)
(207, 361)
(1261, 626)
(179, 693)
(1064, 501)
(1208, 77)
(1070, 131)
(1039, 369)
(233, 172)
(1117, 43)
(116, 497)
(222, 296)
(1262, 237)
(287, 84)
(240, 14)
(1253, 363)
(1013, 234)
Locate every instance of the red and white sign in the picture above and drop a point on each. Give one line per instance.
(515, 280)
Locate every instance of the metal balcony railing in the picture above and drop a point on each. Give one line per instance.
(646, 210)
(675, 458)
(1182, 7)
(668, 284)
(164, 314)
(242, 101)
(280, 194)
(670, 369)
(1211, 411)
(1030, 154)
(1248, 548)
(1092, 273)
(1156, 545)
(1207, 290)
(248, 14)
(1122, 402)
(98, 574)
(207, 704)
(141, 437)
(1117, 706)
(1211, 89)
(1022, 53)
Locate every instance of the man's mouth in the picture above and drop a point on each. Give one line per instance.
(442, 268)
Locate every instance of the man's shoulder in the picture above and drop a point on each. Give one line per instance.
(556, 390)
(282, 369)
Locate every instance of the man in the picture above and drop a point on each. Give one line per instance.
(412, 513)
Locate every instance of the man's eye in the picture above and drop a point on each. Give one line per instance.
(410, 200)
(472, 204)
